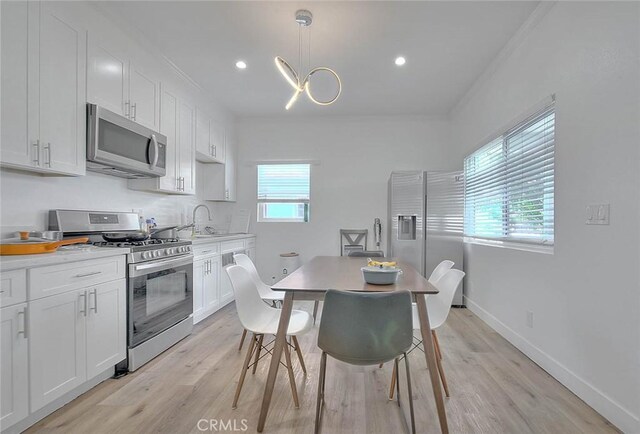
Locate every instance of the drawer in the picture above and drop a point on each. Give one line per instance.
(55, 279)
(206, 249)
(232, 246)
(13, 287)
(250, 243)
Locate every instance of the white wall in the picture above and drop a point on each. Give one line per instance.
(27, 198)
(585, 297)
(353, 159)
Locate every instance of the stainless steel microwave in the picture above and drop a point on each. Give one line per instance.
(120, 147)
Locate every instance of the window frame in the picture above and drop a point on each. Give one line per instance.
(543, 243)
(262, 203)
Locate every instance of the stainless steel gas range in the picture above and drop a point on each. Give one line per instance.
(159, 280)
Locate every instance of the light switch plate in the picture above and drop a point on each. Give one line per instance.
(597, 214)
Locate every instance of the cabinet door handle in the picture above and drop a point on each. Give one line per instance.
(48, 149)
(134, 110)
(215, 150)
(23, 332)
(127, 109)
(95, 299)
(36, 159)
(84, 303)
(92, 273)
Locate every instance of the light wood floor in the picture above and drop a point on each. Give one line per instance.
(494, 389)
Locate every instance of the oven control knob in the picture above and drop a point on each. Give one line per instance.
(156, 254)
(145, 255)
(167, 251)
(180, 249)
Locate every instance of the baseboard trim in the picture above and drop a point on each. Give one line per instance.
(608, 408)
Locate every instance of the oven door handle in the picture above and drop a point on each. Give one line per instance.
(142, 269)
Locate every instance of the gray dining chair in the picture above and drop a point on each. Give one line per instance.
(361, 328)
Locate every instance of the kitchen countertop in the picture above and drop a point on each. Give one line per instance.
(205, 239)
(64, 254)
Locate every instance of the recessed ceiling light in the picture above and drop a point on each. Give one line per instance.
(400, 61)
(241, 64)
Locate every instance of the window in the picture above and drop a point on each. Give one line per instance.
(283, 192)
(509, 192)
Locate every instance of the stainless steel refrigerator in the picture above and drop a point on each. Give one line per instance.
(426, 220)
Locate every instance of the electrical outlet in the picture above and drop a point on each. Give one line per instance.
(529, 319)
(597, 214)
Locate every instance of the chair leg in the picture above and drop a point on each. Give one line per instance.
(292, 380)
(397, 381)
(436, 344)
(442, 377)
(255, 362)
(320, 399)
(244, 335)
(245, 368)
(315, 309)
(409, 390)
(299, 353)
(393, 382)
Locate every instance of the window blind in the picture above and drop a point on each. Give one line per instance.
(283, 182)
(509, 183)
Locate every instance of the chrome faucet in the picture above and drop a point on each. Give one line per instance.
(193, 219)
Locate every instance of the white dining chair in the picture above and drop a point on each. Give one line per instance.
(272, 297)
(440, 271)
(260, 319)
(438, 308)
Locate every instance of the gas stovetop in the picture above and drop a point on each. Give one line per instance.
(145, 243)
(149, 250)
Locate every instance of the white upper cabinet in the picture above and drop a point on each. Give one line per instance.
(144, 93)
(218, 181)
(16, 149)
(52, 106)
(121, 85)
(108, 70)
(210, 144)
(218, 141)
(177, 119)
(186, 147)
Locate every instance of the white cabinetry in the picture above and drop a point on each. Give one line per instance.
(75, 336)
(52, 104)
(177, 123)
(14, 364)
(120, 85)
(57, 346)
(106, 326)
(210, 139)
(186, 147)
(206, 281)
(218, 181)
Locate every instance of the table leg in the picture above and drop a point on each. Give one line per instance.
(430, 354)
(281, 337)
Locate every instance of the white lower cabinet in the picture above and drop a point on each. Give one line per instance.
(206, 281)
(75, 336)
(57, 346)
(14, 364)
(106, 326)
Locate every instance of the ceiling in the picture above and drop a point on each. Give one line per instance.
(447, 46)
